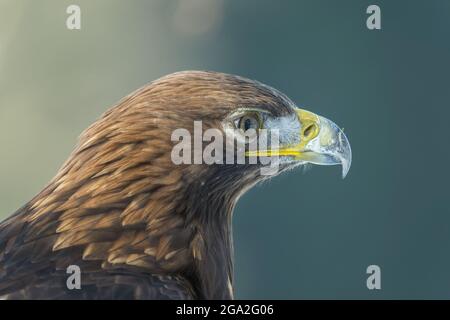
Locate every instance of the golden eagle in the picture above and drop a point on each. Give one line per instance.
(138, 225)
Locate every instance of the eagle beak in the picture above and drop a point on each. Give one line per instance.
(322, 142)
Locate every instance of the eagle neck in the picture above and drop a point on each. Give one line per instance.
(214, 266)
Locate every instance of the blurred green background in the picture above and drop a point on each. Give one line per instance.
(303, 235)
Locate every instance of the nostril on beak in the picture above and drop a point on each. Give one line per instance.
(310, 131)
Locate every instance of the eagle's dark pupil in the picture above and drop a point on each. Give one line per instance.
(247, 124)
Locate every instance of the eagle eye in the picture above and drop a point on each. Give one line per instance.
(249, 121)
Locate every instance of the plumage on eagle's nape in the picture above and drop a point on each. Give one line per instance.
(137, 225)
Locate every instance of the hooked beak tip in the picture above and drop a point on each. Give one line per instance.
(345, 168)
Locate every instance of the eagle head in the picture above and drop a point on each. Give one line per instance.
(227, 112)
